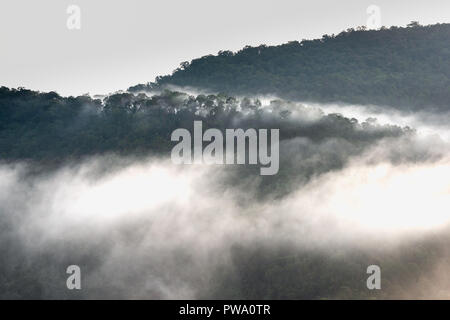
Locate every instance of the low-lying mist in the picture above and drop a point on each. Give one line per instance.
(145, 228)
(90, 182)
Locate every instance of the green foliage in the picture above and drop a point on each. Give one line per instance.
(407, 68)
(50, 128)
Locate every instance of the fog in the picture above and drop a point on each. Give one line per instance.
(426, 122)
(146, 228)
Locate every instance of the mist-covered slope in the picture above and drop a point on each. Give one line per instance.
(348, 194)
(47, 129)
(46, 126)
(407, 68)
(91, 182)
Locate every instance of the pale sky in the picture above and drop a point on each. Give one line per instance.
(126, 42)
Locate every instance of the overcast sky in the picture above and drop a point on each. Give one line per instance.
(125, 42)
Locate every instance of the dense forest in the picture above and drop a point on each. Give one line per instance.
(48, 129)
(45, 126)
(407, 68)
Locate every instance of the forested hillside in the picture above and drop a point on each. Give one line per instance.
(408, 68)
(90, 181)
(51, 130)
(48, 127)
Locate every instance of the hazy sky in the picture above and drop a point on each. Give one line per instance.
(122, 43)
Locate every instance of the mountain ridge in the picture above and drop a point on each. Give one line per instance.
(403, 67)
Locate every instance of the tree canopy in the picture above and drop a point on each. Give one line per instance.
(407, 68)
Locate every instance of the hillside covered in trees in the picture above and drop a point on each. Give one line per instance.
(407, 68)
(47, 126)
(54, 131)
(51, 130)
(90, 181)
